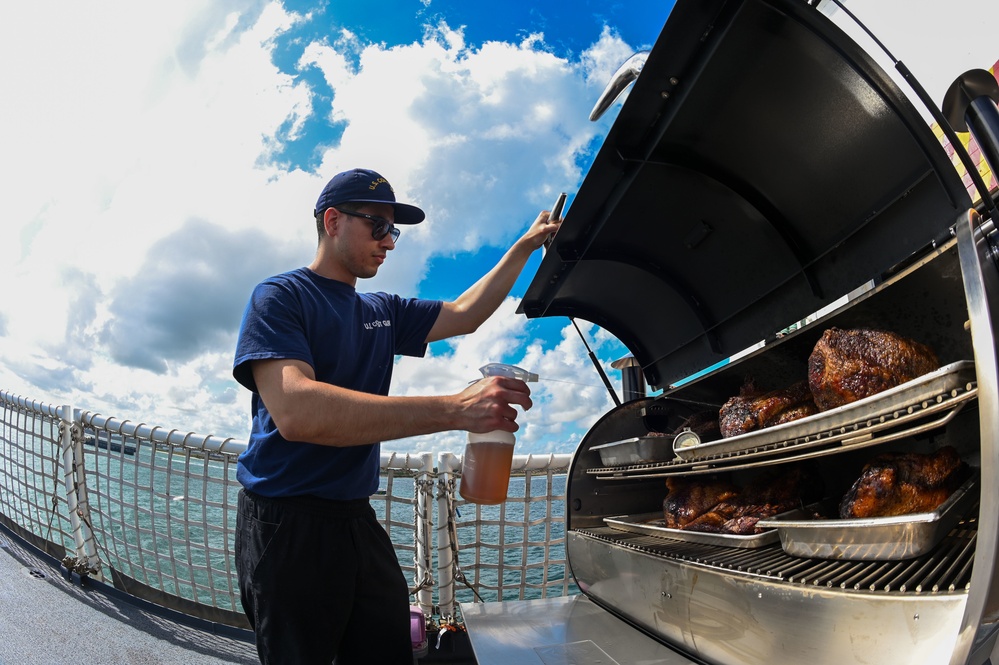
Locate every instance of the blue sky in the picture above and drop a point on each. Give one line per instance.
(162, 159)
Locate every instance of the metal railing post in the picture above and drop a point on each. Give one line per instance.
(447, 463)
(423, 486)
(86, 561)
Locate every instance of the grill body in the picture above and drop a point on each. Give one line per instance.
(764, 181)
(761, 605)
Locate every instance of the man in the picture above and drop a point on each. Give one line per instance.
(319, 579)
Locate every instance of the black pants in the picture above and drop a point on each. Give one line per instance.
(319, 580)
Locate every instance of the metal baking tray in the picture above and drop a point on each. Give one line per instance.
(926, 387)
(636, 450)
(652, 524)
(876, 538)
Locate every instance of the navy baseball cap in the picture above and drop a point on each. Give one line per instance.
(365, 186)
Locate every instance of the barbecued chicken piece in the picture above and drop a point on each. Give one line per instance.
(848, 365)
(750, 411)
(904, 483)
(734, 518)
(687, 499)
(772, 493)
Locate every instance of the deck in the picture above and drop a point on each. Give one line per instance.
(47, 619)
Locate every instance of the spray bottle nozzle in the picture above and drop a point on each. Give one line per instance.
(510, 371)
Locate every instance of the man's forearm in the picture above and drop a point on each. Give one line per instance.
(469, 310)
(304, 409)
(465, 314)
(328, 415)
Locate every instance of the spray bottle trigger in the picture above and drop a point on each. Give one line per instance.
(510, 371)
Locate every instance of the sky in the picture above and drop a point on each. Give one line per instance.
(160, 159)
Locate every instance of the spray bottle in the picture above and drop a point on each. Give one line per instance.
(485, 469)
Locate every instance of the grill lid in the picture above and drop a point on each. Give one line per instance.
(762, 166)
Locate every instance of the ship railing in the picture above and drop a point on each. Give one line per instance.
(152, 511)
(513, 550)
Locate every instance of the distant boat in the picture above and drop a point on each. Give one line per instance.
(113, 446)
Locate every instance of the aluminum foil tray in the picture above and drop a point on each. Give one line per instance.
(652, 524)
(636, 450)
(899, 398)
(877, 538)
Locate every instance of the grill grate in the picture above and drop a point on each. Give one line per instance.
(945, 569)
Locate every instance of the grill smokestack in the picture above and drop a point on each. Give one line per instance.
(632, 379)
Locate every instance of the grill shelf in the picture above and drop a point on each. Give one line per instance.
(906, 420)
(944, 569)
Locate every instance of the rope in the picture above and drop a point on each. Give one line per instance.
(55, 486)
(450, 491)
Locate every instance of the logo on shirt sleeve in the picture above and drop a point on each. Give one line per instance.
(387, 323)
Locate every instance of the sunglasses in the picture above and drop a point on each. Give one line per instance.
(380, 227)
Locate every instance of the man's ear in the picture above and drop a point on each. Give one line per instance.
(330, 221)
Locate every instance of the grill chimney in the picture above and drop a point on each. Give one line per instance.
(632, 379)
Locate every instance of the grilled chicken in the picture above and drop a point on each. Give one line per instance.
(848, 365)
(903, 484)
(750, 411)
(775, 492)
(689, 498)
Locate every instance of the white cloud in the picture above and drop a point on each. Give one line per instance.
(121, 138)
(481, 138)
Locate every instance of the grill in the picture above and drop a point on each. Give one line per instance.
(765, 181)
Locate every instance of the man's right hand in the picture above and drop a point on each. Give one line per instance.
(487, 404)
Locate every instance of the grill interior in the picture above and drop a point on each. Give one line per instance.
(689, 586)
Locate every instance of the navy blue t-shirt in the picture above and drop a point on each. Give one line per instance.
(350, 340)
